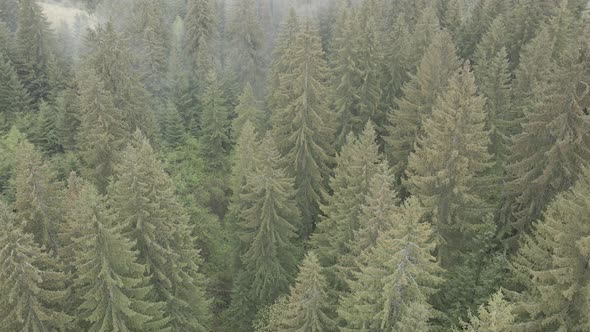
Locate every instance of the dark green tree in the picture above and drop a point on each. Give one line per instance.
(14, 99)
(303, 124)
(149, 215)
(173, 129)
(248, 109)
(31, 286)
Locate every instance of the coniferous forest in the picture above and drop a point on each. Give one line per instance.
(295, 165)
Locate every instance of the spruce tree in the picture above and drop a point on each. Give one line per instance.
(112, 62)
(397, 278)
(173, 129)
(419, 96)
(14, 99)
(199, 26)
(550, 266)
(69, 117)
(102, 131)
(302, 125)
(34, 43)
(149, 215)
(37, 197)
(548, 155)
(248, 109)
(215, 127)
(357, 164)
(268, 226)
(247, 43)
(493, 79)
(31, 286)
(495, 316)
(110, 284)
(8, 147)
(46, 134)
(307, 306)
(244, 158)
(9, 14)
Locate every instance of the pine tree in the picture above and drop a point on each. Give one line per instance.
(158, 226)
(268, 223)
(551, 263)
(199, 24)
(34, 42)
(493, 79)
(248, 109)
(357, 164)
(419, 96)
(102, 130)
(495, 316)
(302, 125)
(173, 130)
(29, 282)
(548, 155)
(392, 292)
(14, 98)
(308, 303)
(46, 132)
(247, 40)
(37, 197)
(110, 284)
(111, 60)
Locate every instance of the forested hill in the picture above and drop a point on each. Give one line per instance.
(312, 166)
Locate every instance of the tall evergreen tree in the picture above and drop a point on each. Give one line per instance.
(199, 24)
(548, 155)
(14, 99)
(46, 134)
(308, 303)
(110, 284)
(247, 43)
(268, 223)
(495, 316)
(29, 282)
(173, 130)
(551, 264)
(303, 124)
(34, 43)
(9, 14)
(69, 117)
(102, 130)
(37, 197)
(150, 216)
(392, 292)
(419, 96)
(357, 164)
(110, 58)
(248, 109)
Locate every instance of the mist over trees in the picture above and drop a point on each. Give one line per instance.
(274, 165)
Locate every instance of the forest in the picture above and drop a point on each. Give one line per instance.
(290, 165)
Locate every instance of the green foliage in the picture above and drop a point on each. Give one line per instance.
(550, 266)
(419, 96)
(46, 131)
(37, 197)
(173, 130)
(495, 316)
(32, 287)
(199, 24)
(8, 147)
(307, 305)
(302, 123)
(268, 226)
(158, 226)
(397, 278)
(13, 97)
(102, 130)
(248, 109)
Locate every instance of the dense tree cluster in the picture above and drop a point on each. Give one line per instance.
(363, 165)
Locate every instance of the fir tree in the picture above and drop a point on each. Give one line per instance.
(268, 223)
(111, 60)
(307, 305)
(419, 96)
(14, 98)
(495, 316)
(37, 197)
(199, 24)
(551, 263)
(8, 147)
(29, 282)
(69, 117)
(102, 130)
(244, 158)
(357, 164)
(392, 292)
(215, 127)
(110, 284)
(548, 155)
(34, 42)
(248, 109)
(302, 125)
(173, 130)
(46, 133)
(149, 215)
(247, 40)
